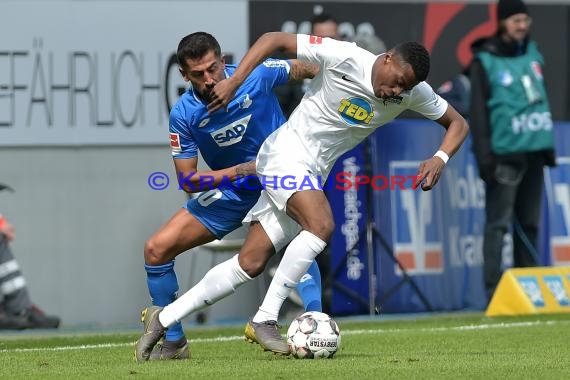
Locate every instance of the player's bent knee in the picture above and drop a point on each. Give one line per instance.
(323, 229)
(153, 254)
(253, 266)
(328, 230)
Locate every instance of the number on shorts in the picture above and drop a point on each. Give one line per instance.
(206, 198)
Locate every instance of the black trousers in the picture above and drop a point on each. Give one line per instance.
(514, 196)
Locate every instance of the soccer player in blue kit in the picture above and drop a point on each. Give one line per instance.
(228, 142)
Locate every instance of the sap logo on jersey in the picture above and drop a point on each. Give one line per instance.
(355, 111)
(231, 133)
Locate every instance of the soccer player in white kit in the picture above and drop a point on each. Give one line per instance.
(354, 93)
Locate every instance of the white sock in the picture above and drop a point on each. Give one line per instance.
(220, 281)
(296, 260)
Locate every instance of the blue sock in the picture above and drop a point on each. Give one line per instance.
(163, 288)
(309, 288)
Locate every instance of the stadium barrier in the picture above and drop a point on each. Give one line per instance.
(531, 291)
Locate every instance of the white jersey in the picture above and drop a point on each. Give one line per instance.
(340, 109)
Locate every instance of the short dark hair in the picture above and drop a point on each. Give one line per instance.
(417, 56)
(197, 45)
(322, 18)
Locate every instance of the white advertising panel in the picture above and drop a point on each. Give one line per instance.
(100, 72)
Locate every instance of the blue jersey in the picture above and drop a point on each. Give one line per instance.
(229, 138)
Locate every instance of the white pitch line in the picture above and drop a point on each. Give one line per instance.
(344, 333)
(112, 345)
(459, 328)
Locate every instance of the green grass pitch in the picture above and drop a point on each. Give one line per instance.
(450, 346)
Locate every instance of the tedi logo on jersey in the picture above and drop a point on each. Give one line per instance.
(231, 133)
(356, 111)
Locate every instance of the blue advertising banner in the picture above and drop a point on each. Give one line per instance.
(348, 257)
(436, 236)
(557, 181)
(427, 246)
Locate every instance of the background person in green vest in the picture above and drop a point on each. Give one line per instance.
(512, 136)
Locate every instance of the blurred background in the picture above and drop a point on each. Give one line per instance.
(85, 91)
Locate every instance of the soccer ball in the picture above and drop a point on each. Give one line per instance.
(313, 335)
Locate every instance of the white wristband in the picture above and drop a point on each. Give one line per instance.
(441, 154)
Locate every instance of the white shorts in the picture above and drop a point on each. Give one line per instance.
(285, 167)
(280, 228)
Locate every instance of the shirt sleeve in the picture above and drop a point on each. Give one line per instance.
(182, 143)
(325, 52)
(273, 72)
(426, 102)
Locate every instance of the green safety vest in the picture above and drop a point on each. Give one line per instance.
(519, 112)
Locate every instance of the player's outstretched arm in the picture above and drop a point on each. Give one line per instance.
(456, 132)
(224, 91)
(193, 181)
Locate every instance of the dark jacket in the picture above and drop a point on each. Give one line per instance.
(479, 120)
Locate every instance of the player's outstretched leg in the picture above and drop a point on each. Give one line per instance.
(267, 335)
(153, 332)
(297, 259)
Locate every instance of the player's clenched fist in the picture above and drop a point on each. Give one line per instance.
(221, 94)
(429, 172)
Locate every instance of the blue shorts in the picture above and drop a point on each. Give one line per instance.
(222, 210)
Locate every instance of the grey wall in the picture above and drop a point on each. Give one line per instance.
(83, 209)
(82, 216)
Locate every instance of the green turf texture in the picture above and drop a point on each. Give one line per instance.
(451, 346)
